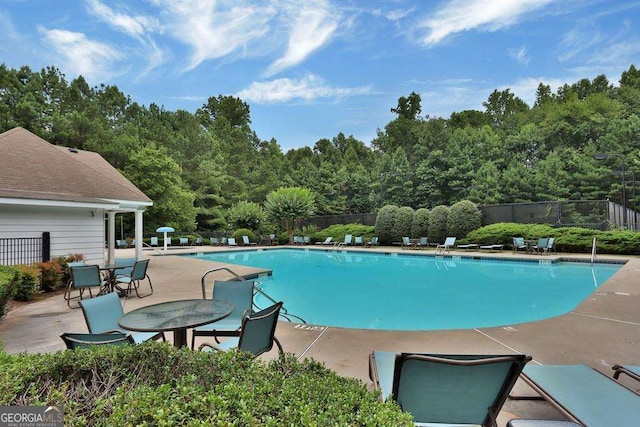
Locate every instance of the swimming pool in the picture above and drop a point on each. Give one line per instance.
(408, 292)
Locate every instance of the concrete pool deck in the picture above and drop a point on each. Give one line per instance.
(602, 331)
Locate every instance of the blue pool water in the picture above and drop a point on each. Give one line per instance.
(404, 292)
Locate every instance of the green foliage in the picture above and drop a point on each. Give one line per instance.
(244, 232)
(63, 262)
(245, 214)
(420, 226)
(463, 217)
(385, 224)
(403, 222)
(438, 224)
(567, 239)
(27, 286)
(338, 231)
(157, 384)
(289, 205)
(9, 277)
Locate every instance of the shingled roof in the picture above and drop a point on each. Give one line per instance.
(32, 168)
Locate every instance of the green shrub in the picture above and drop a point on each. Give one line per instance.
(385, 224)
(567, 239)
(338, 231)
(27, 286)
(63, 262)
(9, 276)
(438, 224)
(420, 226)
(157, 384)
(244, 232)
(245, 214)
(463, 217)
(403, 222)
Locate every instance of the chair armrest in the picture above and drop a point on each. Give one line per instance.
(209, 345)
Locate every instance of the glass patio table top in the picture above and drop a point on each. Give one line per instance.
(175, 316)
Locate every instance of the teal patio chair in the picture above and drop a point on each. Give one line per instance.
(447, 389)
(584, 395)
(153, 241)
(102, 313)
(133, 278)
(121, 244)
(83, 340)
(247, 242)
(257, 334)
(238, 293)
(84, 278)
(373, 241)
(631, 371)
(519, 244)
(231, 241)
(358, 241)
(327, 241)
(541, 246)
(423, 242)
(406, 242)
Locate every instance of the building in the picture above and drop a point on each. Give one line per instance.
(70, 195)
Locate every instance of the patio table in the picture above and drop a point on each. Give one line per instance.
(176, 316)
(111, 275)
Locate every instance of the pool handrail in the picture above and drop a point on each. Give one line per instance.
(283, 311)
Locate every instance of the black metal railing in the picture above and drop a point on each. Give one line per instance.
(25, 250)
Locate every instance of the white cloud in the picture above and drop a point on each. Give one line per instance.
(215, 29)
(139, 27)
(464, 15)
(520, 55)
(312, 29)
(93, 60)
(284, 90)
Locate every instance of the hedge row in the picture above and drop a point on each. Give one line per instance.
(157, 384)
(567, 239)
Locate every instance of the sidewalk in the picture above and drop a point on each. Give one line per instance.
(602, 331)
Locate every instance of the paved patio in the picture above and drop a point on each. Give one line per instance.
(600, 332)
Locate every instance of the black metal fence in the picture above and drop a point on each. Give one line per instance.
(597, 214)
(25, 250)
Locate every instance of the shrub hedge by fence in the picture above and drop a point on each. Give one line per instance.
(157, 384)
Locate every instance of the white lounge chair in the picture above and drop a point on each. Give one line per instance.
(446, 246)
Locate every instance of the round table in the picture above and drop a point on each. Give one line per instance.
(175, 316)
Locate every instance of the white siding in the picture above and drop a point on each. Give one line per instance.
(73, 230)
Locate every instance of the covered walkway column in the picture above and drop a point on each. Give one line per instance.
(111, 240)
(138, 232)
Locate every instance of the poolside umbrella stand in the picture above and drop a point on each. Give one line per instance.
(165, 230)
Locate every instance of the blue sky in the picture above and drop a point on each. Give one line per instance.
(311, 69)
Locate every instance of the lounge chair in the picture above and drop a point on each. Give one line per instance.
(491, 248)
(551, 247)
(214, 241)
(246, 242)
(631, 371)
(467, 246)
(231, 241)
(358, 241)
(184, 241)
(132, 279)
(198, 241)
(257, 334)
(519, 243)
(584, 395)
(298, 240)
(373, 241)
(327, 241)
(348, 239)
(446, 246)
(447, 389)
(541, 246)
(406, 242)
(121, 244)
(422, 243)
(153, 241)
(83, 340)
(238, 293)
(102, 313)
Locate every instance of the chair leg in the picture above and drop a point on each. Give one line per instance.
(136, 285)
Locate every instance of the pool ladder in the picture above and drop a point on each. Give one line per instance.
(284, 313)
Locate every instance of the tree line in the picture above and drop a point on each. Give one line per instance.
(198, 166)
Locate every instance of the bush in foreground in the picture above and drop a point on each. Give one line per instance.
(156, 384)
